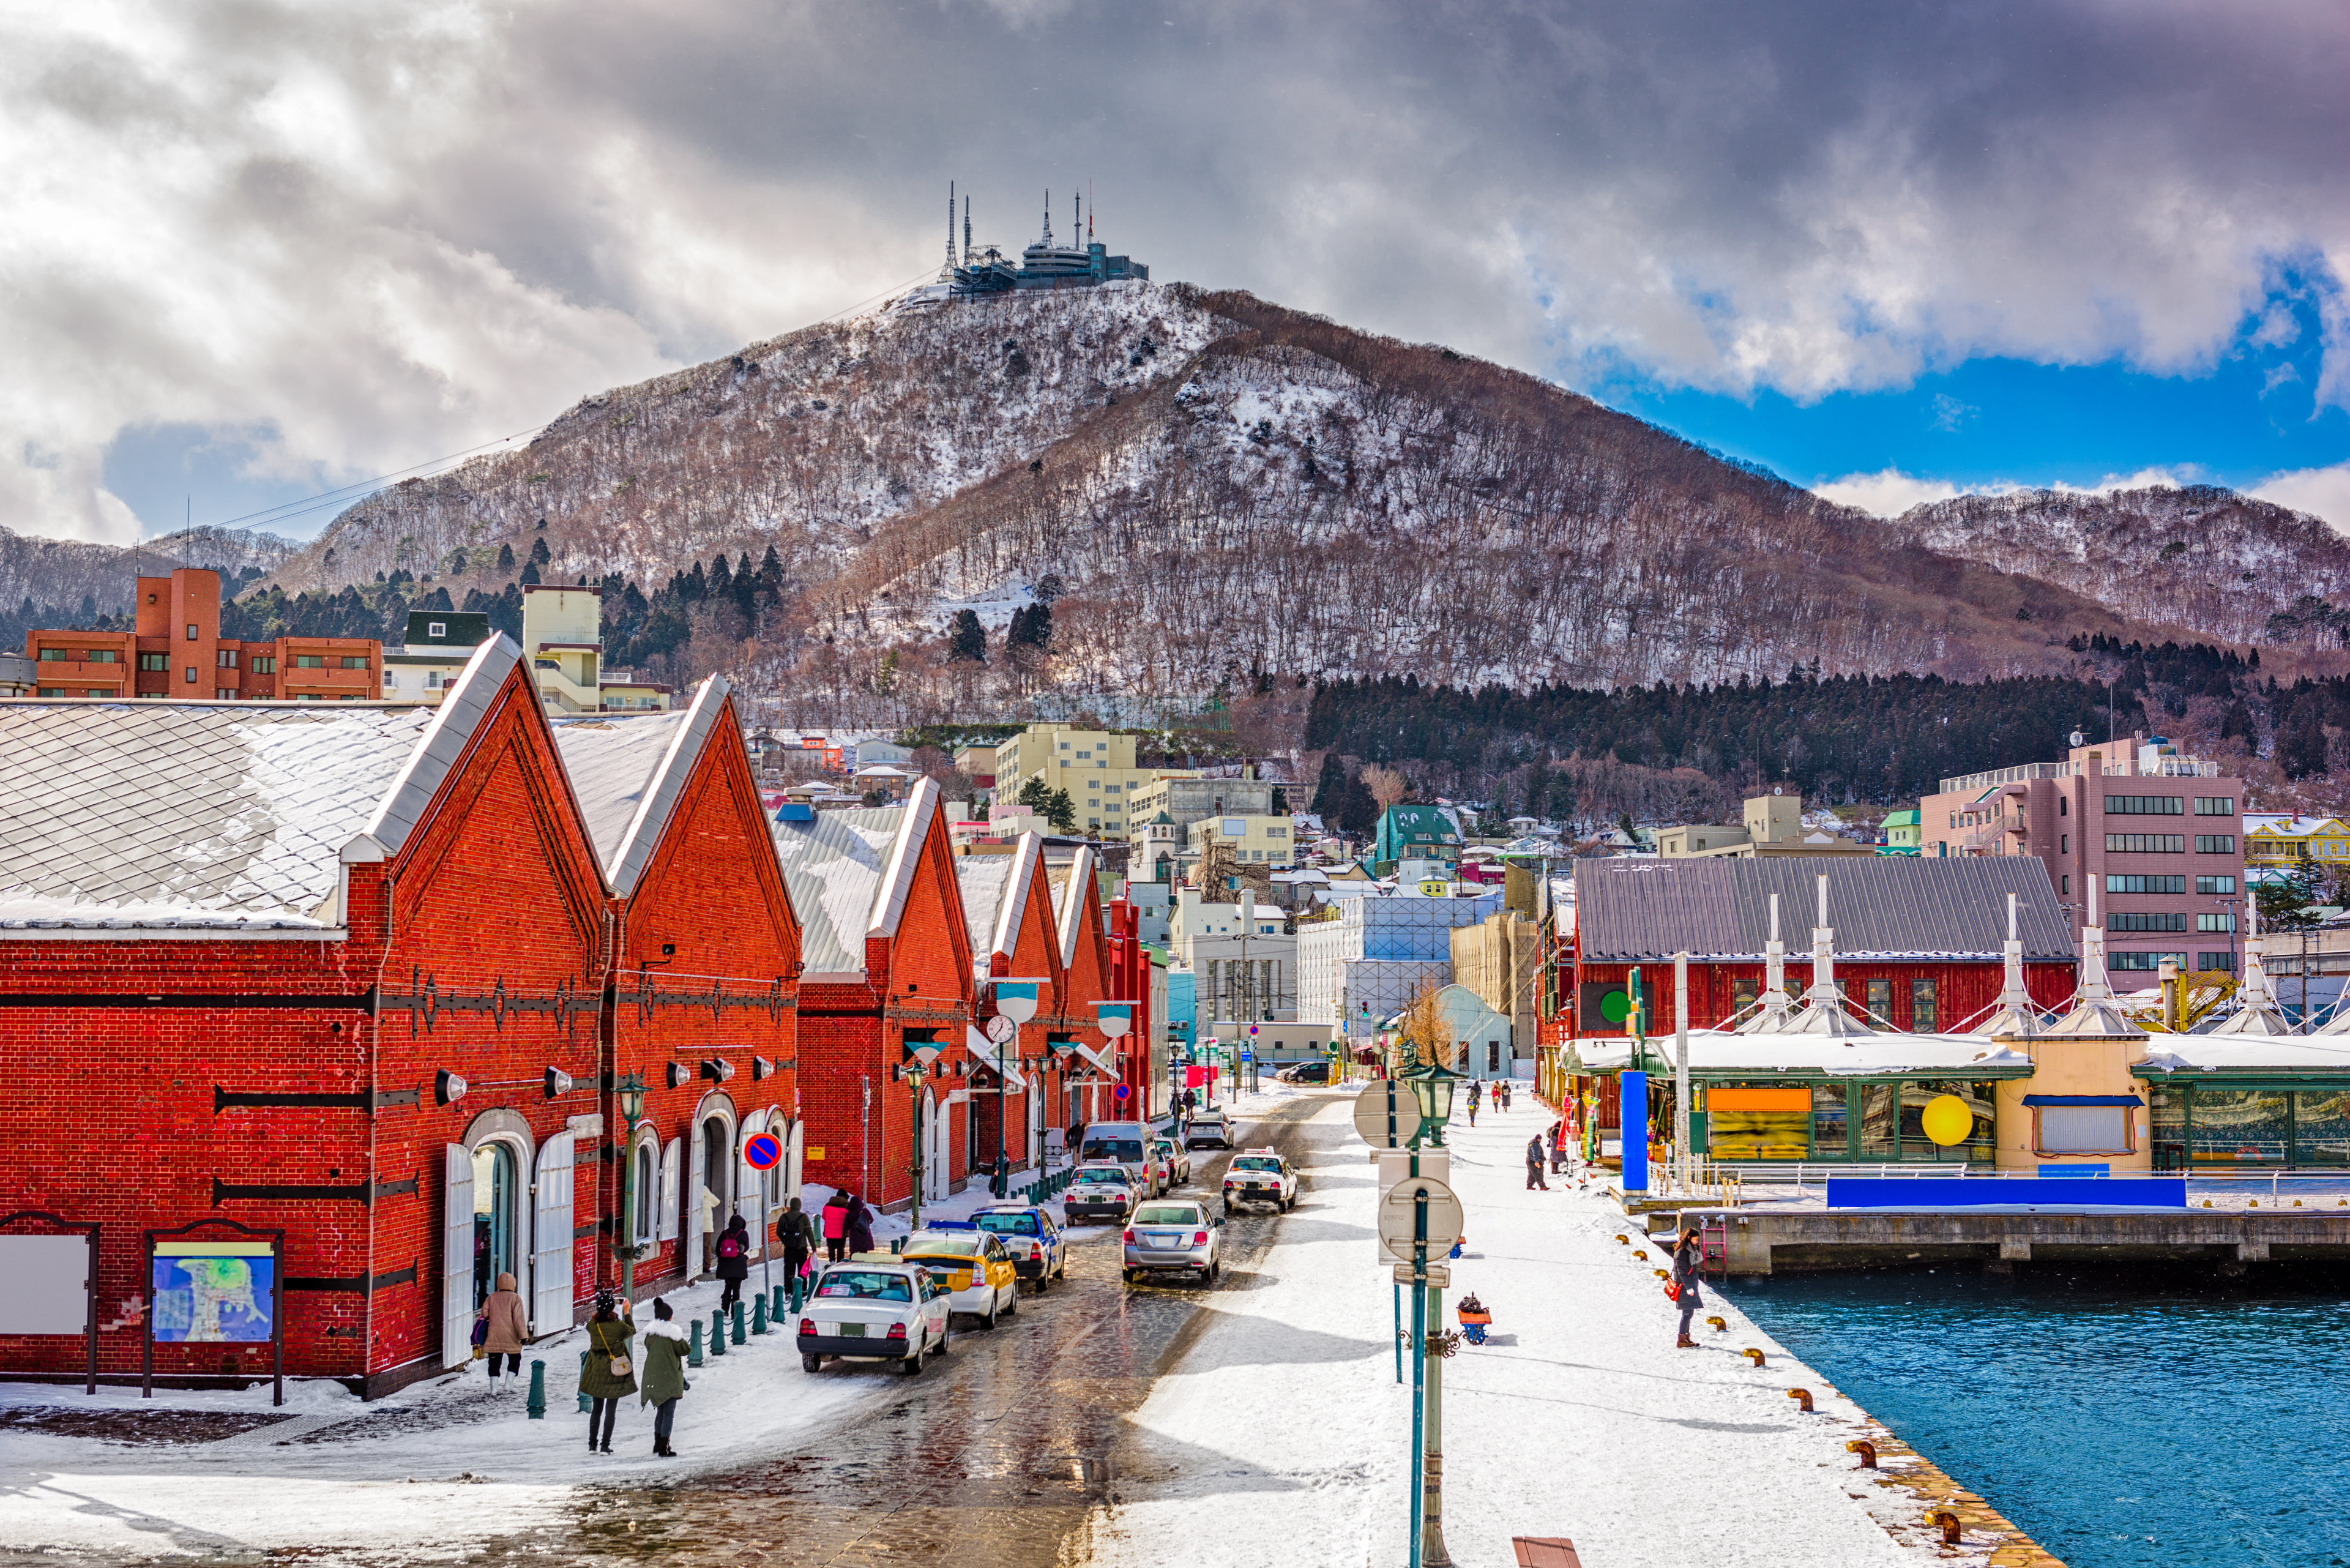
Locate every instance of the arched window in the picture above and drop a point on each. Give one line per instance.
(645, 1197)
(497, 1216)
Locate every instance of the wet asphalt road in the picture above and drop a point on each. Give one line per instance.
(996, 1457)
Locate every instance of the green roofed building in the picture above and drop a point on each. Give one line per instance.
(1416, 833)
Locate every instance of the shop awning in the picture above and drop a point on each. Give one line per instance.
(2083, 1100)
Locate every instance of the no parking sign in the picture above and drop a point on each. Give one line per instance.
(762, 1151)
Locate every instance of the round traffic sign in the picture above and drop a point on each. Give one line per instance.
(1380, 1099)
(1446, 1221)
(762, 1151)
(1121, 1093)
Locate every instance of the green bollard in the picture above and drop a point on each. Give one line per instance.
(738, 1323)
(537, 1406)
(795, 1296)
(717, 1333)
(758, 1314)
(775, 1313)
(693, 1347)
(587, 1405)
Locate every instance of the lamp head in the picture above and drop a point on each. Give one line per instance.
(631, 1086)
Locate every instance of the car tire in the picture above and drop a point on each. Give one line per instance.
(1014, 1308)
(988, 1322)
(811, 1364)
(1130, 1276)
(911, 1366)
(946, 1340)
(1062, 1272)
(1228, 1207)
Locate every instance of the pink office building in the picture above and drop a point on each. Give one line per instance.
(2160, 835)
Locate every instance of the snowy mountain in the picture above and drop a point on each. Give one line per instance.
(64, 572)
(2199, 560)
(1223, 485)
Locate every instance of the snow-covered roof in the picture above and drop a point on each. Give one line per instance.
(229, 816)
(1714, 1051)
(832, 867)
(627, 772)
(2246, 1053)
(1075, 903)
(994, 888)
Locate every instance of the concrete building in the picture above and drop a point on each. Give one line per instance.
(2157, 836)
(563, 632)
(1499, 961)
(1773, 826)
(1096, 768)
(1259, 840)
(1183, 798)
(19, 677)
(1358, 970)
(1243, 961)
(175, 649)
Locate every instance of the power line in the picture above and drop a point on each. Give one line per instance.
(365, 487)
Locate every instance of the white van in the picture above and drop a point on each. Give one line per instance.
(1127, 1143)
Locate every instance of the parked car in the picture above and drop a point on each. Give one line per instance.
(1176, 1158)
(1208, 1129)
(979, 1274)
(1174, 1236)
(1304, 1072)
(1259, 1176)
(1127, 1143)
(1039, 1251)
(1100, 1191)
(874, 1312)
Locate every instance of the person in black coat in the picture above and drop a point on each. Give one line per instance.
(1689, 1260)
(733, 1260)
(1534, 1164)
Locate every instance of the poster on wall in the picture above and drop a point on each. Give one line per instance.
(213, 1293)
(44, 1284)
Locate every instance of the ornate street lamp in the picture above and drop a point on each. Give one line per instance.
(629, 1088)
(1431, 1085)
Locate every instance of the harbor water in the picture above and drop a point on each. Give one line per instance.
(2125, 1419)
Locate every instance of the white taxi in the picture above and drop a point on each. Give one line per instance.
(1259, 1176)
(871, 1309)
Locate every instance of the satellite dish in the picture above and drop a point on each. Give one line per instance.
(1778, 789)
(2077, 738)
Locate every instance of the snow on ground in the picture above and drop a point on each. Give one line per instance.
(430, 1472)
(1282, 1437)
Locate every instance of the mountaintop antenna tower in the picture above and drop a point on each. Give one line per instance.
(966, 230)
(946, 273)
(1048, 219)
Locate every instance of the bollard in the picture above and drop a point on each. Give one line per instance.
(717, 1333)
(759, 1314)
(738, 1323)
(1716, 1324)
(537, 1406)
(1803, 1394)
(1865, 1449)
(1757, 1354)
(693, 1347)
(1949, 1523)
(796, 1281)
(586, 1404)
(775, 1313)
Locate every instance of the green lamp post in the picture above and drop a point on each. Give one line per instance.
(1431, 1085)
(629, 1088)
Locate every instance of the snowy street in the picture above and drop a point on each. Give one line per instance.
(1257, 1423)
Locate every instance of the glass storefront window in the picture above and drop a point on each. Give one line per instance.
(1828, 1124)
(2321, 1127)
(2167, 1119)
(2237, 1127)
(1744, 1122)
(1980, 1144)
(1880, 1121)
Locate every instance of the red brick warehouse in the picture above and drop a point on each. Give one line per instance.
(701, 1004)
(885, 956)
(243, 940)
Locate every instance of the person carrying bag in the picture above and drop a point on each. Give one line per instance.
(609, 1374)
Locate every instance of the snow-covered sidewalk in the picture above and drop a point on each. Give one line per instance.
(1282, 1437)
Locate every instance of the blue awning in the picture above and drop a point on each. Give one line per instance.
(2083, 1100)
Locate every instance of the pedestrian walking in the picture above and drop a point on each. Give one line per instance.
(861, 1225)
(1473, 1104)
(1508, 1094)
(609, 1374)
(1534, 1164)
(1689, 1258)
(793, 1235)
(664, 1379)
(708, 1230)
(835, 1226)
(507, 1326)
(733, 1262)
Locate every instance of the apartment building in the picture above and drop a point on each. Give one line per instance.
(1095, 767)
(563, 633)
(175, 649)
(1773, 825)
(1243, 960)
(2159, 836)
(1260, 840)
(438, 646)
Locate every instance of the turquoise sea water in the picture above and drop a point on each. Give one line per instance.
(2121, 1417)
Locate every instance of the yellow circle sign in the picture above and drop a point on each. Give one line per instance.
(1948, 1121)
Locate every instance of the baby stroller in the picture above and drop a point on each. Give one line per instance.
(1474, 1319)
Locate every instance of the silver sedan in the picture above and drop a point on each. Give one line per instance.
(1178, 1236)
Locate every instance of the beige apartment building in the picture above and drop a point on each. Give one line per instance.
(1259, 840)
(1094, 766)
(1773, 826)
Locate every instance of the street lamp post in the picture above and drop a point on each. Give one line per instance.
(916, 1076)
(629, 1088)
(1431, 1086)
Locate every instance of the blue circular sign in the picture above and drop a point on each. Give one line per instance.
(762, 1151)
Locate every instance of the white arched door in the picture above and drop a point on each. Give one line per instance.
(935, 1175)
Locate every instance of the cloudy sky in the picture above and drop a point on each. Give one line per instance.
(251, 249)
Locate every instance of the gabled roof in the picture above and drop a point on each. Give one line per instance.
(1878, 905)
(995, 891)
(833, 867)
(905, 855)
(232, 817)
(627, 772)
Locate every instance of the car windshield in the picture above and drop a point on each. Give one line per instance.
(1109, 1178)
(1255, 1162)
(925, 1244)
(1114, 1149)
(1166, 1214)
(868, 1285)
(1009, 1224)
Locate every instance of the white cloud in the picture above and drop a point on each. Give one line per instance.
(1885, 494)
(2321, 491)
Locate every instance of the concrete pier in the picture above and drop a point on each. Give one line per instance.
(1765, 1240)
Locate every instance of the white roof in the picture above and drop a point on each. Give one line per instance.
(994, 889)
(2283, 822)
(627, 772)
(832, 868)
(1713, 1051)
(2248, 1053)
(230, 817)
